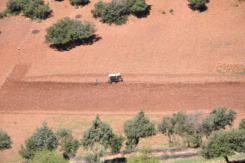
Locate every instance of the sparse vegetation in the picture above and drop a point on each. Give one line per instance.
(94, 156)
(67, 30)
(139, 127)
(144, 156)
(5, 141)
(47, 156)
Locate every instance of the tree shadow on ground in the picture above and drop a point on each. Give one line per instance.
(144, 13)
(238, 161)
(116, 160)
(71, 45)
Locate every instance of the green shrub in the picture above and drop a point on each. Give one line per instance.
(67, 30)
(139, 127)
(69, 145)
(224, 143)
(43, 139)
(197, 4)
(115, 12)
(139, 8)
(218, 119)
(145, 156)
(116, 143)
(48, 157)
(242, 124)
(171, 11)
(13, 6)
(5, 140)
(35, 9)
(98, 9)
(79, 2)
(94, 156)
(194, 140)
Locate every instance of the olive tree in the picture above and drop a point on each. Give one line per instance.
(68, 30)
(139, 127)
(218, 119)
(69, 145)
(34, 9)
(99, 133)
(5, 140)
(224, 143)
(183, 125)
(117, 11)
(43, 139)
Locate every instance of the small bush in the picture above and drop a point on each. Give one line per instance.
(139, 8)
(116, 143)
(171, 11)
(98, 9)
(5, 140)
(94, 157)
(117, 11)
(79, 2)
(13, 7)
(197, 4)
(48, 157)
(242, 124)
(67, 30)
(145, 156)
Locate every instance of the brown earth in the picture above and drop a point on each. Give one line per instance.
(187, 42)
(169, 62)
